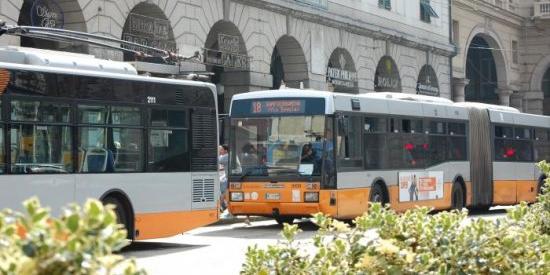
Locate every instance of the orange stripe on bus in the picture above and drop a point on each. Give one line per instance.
(159, 225)
(514, 191)
(443, 203)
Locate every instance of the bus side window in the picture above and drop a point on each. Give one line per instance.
(349, 142)
(375, 142)
(505, 149)
(542, 145)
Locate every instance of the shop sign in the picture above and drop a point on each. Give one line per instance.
(229, 43)
(47, 14)
(148, 31)
(228, 53)
(387, 76)
(340, 77)
(427, 82)
(323, 4)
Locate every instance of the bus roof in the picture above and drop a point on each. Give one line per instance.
(22, 58)
(404, 104)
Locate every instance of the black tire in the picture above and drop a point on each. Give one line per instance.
(120, 211)
(377, 194)
(283, 220)
(457, 196)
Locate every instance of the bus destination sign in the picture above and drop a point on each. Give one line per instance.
(278, 107)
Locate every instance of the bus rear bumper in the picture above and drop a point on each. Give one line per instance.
(269, 209)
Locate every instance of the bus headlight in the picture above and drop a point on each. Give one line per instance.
(311, 196)
(237, 196)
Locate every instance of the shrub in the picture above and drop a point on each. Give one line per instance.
(384, 242)
(81, 241)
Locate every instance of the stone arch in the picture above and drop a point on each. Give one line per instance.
(341, 72)
(288, 63)
(427, 82)
(495, 43)
(228, 61)
(540, 83)
(387, 77)
(66, 14)
(147, 24)
(538, 73)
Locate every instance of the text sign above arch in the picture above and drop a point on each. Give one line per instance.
(47, 14)
(386, 78)
(427, 83)
(149, 31)
(228, 54)
(341, 72)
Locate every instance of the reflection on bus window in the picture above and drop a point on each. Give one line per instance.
(40, 111)
(513, 144)
(127, 144)
(542, 145)
(125, 115)
(40, 149)
(277, 146)
(168, 150)
(105, 149)
(93, 154)
(168, 118)
(92, 114)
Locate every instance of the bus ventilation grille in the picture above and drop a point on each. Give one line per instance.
(203, 190)
(180, 97)
(204, 142)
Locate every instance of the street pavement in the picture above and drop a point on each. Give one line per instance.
(220, 249)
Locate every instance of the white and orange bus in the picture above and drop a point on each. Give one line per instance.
(74, 127)
(299, 152)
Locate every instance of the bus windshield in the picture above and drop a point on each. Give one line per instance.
(277, 146)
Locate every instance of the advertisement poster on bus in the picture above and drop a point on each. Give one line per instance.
(420, 186)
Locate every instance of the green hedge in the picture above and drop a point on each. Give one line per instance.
(416, 242)
(81, 241)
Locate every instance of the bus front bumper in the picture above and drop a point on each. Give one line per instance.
(270, 209)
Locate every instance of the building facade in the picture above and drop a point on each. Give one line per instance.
(346, 45)
(502, 53)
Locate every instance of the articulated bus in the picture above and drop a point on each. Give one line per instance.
(299, 152)
(75, 127)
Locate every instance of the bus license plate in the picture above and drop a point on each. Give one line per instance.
(272, 196)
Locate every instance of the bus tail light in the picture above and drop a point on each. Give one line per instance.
(237, 196)
(311, 196)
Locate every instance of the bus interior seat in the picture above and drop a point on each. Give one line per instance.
(98, 160)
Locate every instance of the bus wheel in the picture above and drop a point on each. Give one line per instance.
(377, 194)
(283, 220)
(120, 212)
(457, 197)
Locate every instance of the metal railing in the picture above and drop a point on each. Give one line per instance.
(504, 4)
(542, 9)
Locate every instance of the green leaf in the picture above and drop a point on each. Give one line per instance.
(73, 222)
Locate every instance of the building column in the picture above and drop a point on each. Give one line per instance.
(533, 102)
(517, 101)
(504, 96)
(459, 86)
